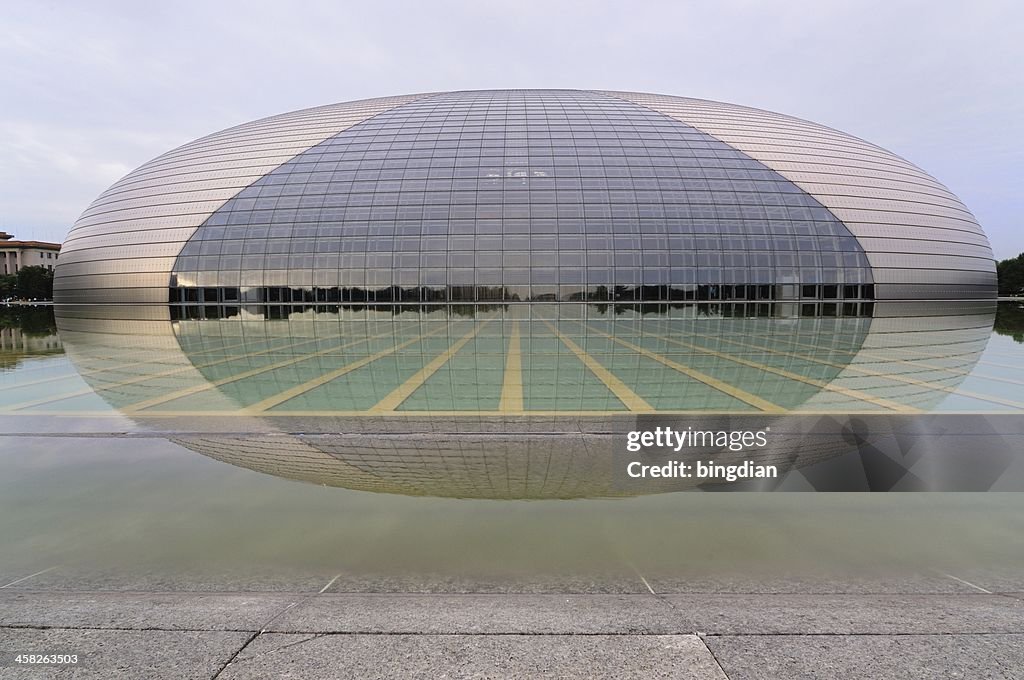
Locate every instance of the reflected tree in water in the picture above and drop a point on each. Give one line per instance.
(1010, 320)
(32, 321)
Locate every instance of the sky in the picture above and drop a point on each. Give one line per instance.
(89, 91)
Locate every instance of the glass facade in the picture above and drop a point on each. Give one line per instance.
(921, 241)
(525, 195)
(520, 196)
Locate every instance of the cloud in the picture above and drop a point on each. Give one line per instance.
(93, 89)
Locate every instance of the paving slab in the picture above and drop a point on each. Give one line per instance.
(538, 583)
(870, 657)
(143, 580)
(235, 580)
(806, 583)
(994, 580)
(712, 613)
(518, 614)
(115, 654)
(67, 578)
(166, 611)
(848, 614)
(467, 614)
(474, 656)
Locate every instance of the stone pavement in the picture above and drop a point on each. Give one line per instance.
(898, 629)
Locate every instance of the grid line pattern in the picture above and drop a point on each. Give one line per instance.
(921, 241)
(516, 196)
(123, 246)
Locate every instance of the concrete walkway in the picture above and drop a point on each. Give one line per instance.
(234, 635)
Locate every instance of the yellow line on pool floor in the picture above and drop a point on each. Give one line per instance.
(856, 368)
(896, 377)
(164, 373)
(291, 393)
(195, 389)
(864, 353)
(512, 385)
(395, 398)
(135, 380)
(632, 400)
(876, 355)
(845, 391)
(838, 411)
(41, 381)
(712, 382)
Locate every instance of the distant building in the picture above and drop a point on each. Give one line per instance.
(17, 254)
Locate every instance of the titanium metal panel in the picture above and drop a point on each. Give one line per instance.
(525, 195)
(860, 183)
(180, 189)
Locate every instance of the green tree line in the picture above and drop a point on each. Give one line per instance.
(1010, 320)
(32, 321)
(37, 282)
(29, 283)
(1011, 275)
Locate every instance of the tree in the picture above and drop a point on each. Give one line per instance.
(1011, 276)
(34, 283)
(1010, 320)
(8, 286)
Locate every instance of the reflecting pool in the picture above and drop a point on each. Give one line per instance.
(523, 362)
(457, 414)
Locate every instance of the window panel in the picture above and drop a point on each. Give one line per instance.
(570, 189)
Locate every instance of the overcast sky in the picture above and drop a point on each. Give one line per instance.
(89, 91)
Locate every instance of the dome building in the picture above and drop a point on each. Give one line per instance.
(525, 195)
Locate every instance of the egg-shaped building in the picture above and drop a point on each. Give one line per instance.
(525, 195)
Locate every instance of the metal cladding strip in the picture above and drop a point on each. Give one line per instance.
(920, 239)
(913, 353)
(123, 246)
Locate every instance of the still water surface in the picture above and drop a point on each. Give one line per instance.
(110, 477)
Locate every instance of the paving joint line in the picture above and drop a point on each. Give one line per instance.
(312, 636)
(445, 594)
(630, 633)
(641, 577)
(145, 629)
(25, 578)
(967, 583)
(266, 624)
(660, 597)
(714, 657)
(866, 634)
(329, 584)
(234, 656)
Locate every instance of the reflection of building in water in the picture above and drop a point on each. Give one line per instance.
(15, 340)
(914, 354)
(508, 401)
(527, 466)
